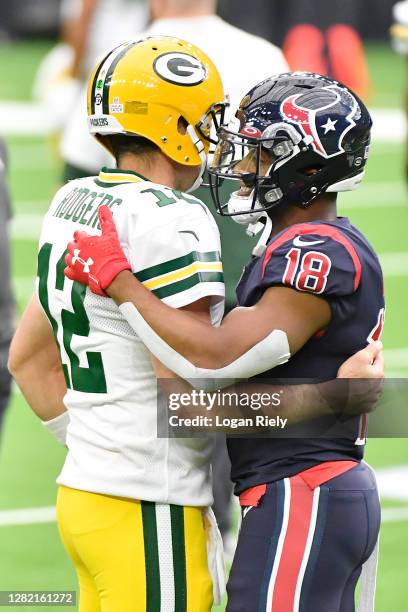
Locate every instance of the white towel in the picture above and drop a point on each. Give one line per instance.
(215, 555)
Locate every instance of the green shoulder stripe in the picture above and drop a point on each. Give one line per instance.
(103, 184)
(177, 264)
(188, 283)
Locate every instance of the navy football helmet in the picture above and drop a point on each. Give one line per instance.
(296, 136)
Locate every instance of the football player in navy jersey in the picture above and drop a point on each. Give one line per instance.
(311, 512)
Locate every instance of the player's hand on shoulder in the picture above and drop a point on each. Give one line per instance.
(95, 261)
(365, 371)
(367, 363)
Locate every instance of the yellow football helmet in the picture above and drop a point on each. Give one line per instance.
(145, 87)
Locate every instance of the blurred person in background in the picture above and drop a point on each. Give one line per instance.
(6, 296)
(336, 50)
(92, 28)
(89, 29)
(233, 51)
(399, 34)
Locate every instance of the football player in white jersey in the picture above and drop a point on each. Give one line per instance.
(151, 103)
(132, 508)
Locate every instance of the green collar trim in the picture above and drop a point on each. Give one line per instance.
(117, 176)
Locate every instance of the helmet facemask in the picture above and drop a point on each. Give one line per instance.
(212, 121)
(295, 175)
(201, 134)
(253, 162)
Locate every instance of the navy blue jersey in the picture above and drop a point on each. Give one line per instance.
(335, 261)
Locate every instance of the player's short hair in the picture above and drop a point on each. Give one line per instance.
(120, 144)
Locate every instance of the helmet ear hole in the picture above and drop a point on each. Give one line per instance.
(182, 125)
(311, 170)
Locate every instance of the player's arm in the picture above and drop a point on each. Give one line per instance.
(200, 310)
(183, 330)
(298, 315)
(76, 31)
(282, 315)
(168, 380)
(35, 364)
(355, 392)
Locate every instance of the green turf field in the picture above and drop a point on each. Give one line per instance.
(31, 556)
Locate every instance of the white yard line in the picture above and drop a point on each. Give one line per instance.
(396, 359)
(47, 514)
(394, 515)
(26, 226)
(394, 264)
(30, 118)
(389, 125)
(23, 119)
(377, 194)
(27, 516)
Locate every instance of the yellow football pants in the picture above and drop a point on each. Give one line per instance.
(135, 556)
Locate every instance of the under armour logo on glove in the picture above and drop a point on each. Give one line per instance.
(87, 264)
(103, 253)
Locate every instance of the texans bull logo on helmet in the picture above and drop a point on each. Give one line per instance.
(322, 118)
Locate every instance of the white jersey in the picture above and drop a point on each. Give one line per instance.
(172, 244)
(113, 22)
(242, 59)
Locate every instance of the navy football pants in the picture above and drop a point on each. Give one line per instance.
(302, 549)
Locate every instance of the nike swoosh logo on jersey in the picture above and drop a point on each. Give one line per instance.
(298, 242)
(246, 510)
(189, 232)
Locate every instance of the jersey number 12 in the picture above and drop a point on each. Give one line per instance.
(76, 323)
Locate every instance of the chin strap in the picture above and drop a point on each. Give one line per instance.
(198, 143)
(265, 224)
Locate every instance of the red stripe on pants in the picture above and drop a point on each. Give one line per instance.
(300, 512)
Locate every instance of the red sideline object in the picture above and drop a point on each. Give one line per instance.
(347, 59)
(304, 49)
